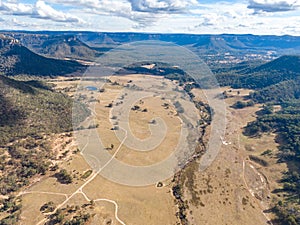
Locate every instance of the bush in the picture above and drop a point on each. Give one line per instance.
(241, 105)
(64, 177)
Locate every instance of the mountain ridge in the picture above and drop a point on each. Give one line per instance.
(16, 59)
(238, 41)
(67, 46)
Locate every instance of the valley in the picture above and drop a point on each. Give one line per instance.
(234, 186)
(146, 145)
(123, 203)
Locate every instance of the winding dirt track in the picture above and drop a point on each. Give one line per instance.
(248, 188)
(80, 191)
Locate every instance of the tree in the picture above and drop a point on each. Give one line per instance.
(64, 177)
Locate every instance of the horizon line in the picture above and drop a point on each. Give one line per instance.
(145, 32)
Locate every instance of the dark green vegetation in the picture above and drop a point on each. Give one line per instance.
(22, 160)
(241, 104)
(64, 177)
(70, 215)
(280, 92)
(15, 59)
(28, 108)
(12, 207)
(279, 70)
(276, 83)
(277, 75)
(87, 174)
(158, 69)
(47, 207)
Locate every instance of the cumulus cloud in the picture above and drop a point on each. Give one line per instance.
(39, 10)
(44, 11)
(161, 5)
(273, 5)
(16, 8)
(80, 3)
(142, 12)
(168, 6)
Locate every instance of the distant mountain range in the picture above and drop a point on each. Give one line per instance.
(224, 42)
(16, 59)
(240, 60)
(215, 50)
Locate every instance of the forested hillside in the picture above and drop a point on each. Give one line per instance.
(31, 107)
(15, 59)
(67, 46)
(260, 76)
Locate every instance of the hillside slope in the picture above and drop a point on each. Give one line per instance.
(29, 108)
(67, 47)
(15, 59)
(281, 69)
(287, 63)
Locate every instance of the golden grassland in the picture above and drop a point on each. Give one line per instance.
(136, 205)
(235, 189)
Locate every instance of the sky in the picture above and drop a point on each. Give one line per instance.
(261, 17)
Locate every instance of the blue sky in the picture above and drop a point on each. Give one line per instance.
(277, 17)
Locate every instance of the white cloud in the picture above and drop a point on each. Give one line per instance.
(273, 5)
(44, 11)
(39, 10)
(239, 18)
(180, 16)
(16, 8)
(142, 12)
(161, 5)
(140, 19)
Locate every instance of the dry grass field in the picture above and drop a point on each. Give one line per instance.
(235, 189)
(132, 205)
(139, 125)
